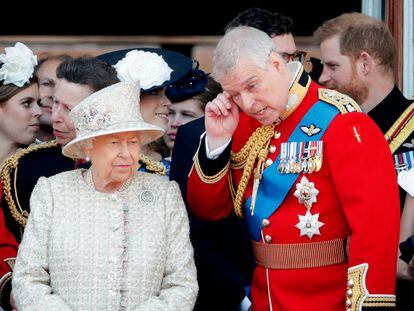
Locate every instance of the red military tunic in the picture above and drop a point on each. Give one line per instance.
(8, 253)
(357, 199)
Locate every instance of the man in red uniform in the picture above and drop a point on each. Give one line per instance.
(311, 175)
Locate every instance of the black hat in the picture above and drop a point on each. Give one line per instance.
(190, 85)
(177, 62)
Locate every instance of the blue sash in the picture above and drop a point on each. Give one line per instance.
(274, 186)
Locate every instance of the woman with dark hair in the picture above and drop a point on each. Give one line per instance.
(188, 96)
(155, 69)
(19, 96)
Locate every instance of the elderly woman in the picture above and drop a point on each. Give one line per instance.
(107, 238)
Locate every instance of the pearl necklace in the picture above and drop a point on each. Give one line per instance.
(90, 183)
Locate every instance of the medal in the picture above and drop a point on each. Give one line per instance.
(309, 224)
(306, 193)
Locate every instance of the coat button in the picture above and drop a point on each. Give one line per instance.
(268, 238)
(277, 134)
(265, 223)
(268, 162)
(272, 148)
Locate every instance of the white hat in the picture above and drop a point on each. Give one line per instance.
(114, 109)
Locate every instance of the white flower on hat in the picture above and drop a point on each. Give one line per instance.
(18, 65)
(148, 68)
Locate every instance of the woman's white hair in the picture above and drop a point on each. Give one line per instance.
(87, 143)
(241, 42)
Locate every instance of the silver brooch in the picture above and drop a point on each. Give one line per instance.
(147, 196)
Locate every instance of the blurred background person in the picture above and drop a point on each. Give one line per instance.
(188, 98)
(155, 69)
(19, 96)
(46, 76)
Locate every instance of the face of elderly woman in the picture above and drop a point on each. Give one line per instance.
(115, 157)
(154, 108)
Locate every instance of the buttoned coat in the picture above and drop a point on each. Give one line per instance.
(72, 253)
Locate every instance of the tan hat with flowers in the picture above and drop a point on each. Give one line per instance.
(114, 109)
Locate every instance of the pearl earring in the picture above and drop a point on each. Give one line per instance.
(87, 159)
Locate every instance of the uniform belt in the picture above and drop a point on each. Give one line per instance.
(300, 255)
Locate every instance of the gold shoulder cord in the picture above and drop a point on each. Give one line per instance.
(152, 166)
(246, 158)
(9, 164)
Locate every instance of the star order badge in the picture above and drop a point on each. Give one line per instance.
(309, 224)
(306, 192)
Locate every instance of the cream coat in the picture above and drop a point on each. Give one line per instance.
(71, 255)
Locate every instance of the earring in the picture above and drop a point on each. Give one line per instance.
(87, 159)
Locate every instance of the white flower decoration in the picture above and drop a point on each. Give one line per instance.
(147, 67)
(18, 65)
(306, 192)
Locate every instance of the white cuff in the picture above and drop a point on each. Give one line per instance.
(245, 304)
(212, 155)
(406, 181)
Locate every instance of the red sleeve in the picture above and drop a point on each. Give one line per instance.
(8, 253)
(208, 189)
(363, 172)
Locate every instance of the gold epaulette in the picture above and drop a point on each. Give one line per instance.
(357, 295)
(401, 129)
(10, 165)
(341, 101)
(7, 277)
(152, 166)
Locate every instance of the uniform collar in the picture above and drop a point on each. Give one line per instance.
(297, 89)
(389, 109)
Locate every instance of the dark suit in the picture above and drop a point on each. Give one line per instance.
(30, 167)
(222, 249)
(385, 114)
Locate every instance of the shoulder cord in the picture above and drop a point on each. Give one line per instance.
(152, 166)
(9, 164)
(255, 147)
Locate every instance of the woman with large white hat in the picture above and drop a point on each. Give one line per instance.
(107, 238)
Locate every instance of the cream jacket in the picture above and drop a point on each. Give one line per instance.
(72, 253)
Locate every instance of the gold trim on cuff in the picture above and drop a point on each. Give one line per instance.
(209, 179)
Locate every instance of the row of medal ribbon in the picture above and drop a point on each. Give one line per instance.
(404, 161)
(300, 157)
